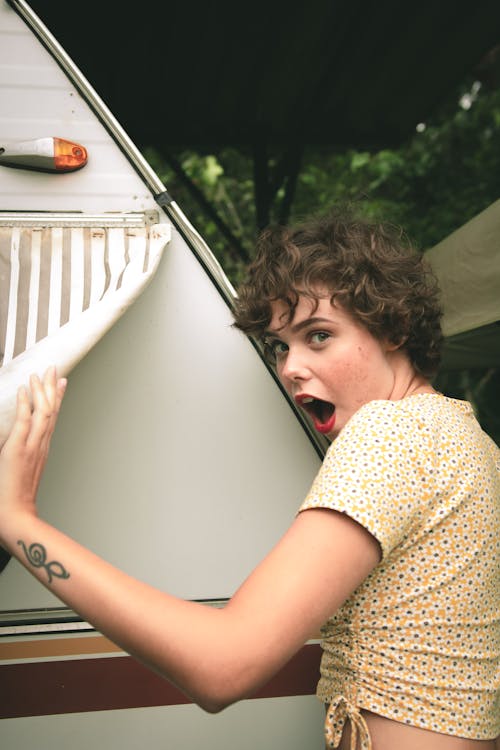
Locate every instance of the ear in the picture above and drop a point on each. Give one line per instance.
(392, 346)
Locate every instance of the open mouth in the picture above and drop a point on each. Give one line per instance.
(321, 412)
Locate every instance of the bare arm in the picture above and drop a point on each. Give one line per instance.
(215, 656)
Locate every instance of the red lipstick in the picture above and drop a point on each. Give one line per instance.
(321, 412)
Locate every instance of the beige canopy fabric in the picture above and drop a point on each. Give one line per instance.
(64, 281)
(467, 264)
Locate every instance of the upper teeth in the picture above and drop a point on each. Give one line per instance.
(307, 400)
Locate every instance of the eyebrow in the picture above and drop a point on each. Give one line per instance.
(300, 326)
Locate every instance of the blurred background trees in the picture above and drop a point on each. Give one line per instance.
(440, 178)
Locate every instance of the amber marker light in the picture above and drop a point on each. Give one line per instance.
(44, 155)
(68, 155)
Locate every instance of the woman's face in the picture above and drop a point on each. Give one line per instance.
(329, 363)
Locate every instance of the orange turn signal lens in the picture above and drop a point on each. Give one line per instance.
(68, 155)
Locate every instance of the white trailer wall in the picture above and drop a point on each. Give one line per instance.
(177, 456)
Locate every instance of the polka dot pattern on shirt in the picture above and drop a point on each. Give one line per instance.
(419, 640)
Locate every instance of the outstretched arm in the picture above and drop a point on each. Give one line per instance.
(215, 656)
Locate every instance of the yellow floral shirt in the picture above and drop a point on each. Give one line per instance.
(419, 640)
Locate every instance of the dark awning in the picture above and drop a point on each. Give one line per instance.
(337, 72)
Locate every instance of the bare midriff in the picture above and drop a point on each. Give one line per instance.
(386, 734)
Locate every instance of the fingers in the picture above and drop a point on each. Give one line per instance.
(42, 393)
(22, 424)
(47, 395)
(48, 392)
(61, 390)
(24, 454)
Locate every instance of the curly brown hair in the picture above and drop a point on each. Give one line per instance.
(368, 267)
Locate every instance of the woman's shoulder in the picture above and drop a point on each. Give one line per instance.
(418, 410)
(418, 421)
(424, 421)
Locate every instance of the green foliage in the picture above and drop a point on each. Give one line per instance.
(226, 181)
(432, 184)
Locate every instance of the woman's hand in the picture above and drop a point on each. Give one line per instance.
(24, 454)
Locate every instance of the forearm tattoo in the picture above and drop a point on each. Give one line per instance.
(36, 554)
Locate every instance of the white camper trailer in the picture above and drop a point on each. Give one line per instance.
(171, 427)
(177, 456)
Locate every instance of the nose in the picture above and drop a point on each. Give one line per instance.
(293, 366)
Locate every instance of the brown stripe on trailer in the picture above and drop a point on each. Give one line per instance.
(99, 684)
(44, 648)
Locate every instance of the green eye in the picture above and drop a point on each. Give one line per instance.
(319, 337)
(274, 349)
(280, 348)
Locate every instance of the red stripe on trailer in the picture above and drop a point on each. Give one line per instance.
(77, 685)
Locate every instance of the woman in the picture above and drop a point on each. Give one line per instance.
(395, 548)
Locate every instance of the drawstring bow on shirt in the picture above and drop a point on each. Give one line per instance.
(339, 710)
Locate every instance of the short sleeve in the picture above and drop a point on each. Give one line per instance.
(379, 471)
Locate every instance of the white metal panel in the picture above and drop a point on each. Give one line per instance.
(291, 723)
(37, 100)
(176, 456)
